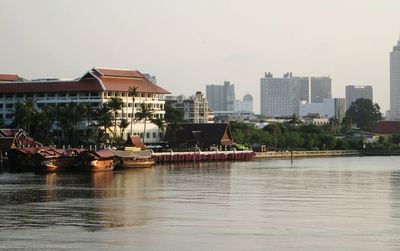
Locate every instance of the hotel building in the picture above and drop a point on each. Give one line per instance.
(95, 87)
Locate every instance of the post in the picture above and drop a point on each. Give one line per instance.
(1, 164)
(291, 156)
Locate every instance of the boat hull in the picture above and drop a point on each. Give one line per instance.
(99, 165)
(137, 163)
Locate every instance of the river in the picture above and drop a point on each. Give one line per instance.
(348, 203)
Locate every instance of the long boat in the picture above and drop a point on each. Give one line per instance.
(57, 160)
(103, 160)
(134, 159)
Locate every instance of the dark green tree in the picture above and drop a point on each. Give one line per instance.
(364, 113)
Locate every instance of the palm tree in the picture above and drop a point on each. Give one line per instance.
(160, 123)
(115, 104)
(144, 114)
(132, 91)
(123, 124)
(104, 122)
(294, 120)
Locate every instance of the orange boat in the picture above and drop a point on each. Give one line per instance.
(134, 159)
(102, 160)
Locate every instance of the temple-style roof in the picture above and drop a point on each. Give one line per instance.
(97, 79)
(205, 134)
(387, 127)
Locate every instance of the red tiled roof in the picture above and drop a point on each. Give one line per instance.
(387, 127)
(135, 141)
(111, 80)
(56, 86)
(118, 72)
(9, 77)
(121, 80)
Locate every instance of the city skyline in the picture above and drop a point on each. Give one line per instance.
(350, 43)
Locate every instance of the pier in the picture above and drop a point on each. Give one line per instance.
(166, 157)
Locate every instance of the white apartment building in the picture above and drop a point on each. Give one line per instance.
(329, 108)
(96, 87)
(278, 96)
(245, 105)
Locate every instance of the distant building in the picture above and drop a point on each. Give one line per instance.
(244, 106)
(354, 92)
(302, 85)
(221, 97)
(278, 96)
(321, 87)
(151, 78)
(329, 108)
(195, 108)
(395, 82)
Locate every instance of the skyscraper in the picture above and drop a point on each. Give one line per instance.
(221, 97)
(278, 96)
(320, 89)
(303, 88)
(395, 82)
(354, 92)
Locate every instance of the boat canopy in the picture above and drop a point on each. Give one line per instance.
(133, 154)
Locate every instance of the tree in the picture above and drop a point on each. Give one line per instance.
(173, 115)
(123, 124)
(132, 91)
(347, 122)
(145, 113)
(104, 120)
(160, 123)
(115, 104)
(364, 113)
(275, 130)
(294, 120)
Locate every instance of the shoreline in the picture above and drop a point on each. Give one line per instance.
(320, 154)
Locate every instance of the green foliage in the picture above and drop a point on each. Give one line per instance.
(364, 113)
(145, 113)
(173, 115)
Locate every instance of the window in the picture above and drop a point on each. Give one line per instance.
(9, 116)
(9, 95)
(50, 94)
(40, 95)
(9, 106)
(19, 95)
(29, 95)
(147, 135)
(1, 106)
(94, 94)
(154, 135)
(62, 94)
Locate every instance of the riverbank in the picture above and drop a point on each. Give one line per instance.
(319, 154)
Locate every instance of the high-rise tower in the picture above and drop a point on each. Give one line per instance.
(395, 82)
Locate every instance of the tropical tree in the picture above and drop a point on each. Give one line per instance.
(132, 91)
(104, 121)
(160, 123)
(123, 124)
(145, 113)
(115, 104)
(294, 120)
(364, 113)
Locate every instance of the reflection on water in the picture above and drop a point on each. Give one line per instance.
(338, 203)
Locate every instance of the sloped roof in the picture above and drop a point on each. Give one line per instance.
(135, 141)
(387, 127)
(11, 138)
(121, 80)
(206, 133)
(97, 79)
(9, 77)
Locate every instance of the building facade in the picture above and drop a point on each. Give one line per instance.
(395, 82)
(278, 96)
(245, 105)
(221, 97)
(354, 92)
(195, 108)
(321, 88)
(95, 87)
(329, 108)
(302, 85)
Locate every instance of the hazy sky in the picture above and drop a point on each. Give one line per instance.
(188, 44)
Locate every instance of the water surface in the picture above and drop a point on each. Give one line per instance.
(315, 204)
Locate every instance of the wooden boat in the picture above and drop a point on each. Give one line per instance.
(56, 160)
(102, 160)
(134, 159)
(21, 159)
